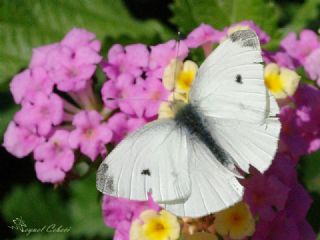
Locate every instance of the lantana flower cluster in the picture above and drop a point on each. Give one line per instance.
(63, 118)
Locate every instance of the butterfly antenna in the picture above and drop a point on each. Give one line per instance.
(176, 66)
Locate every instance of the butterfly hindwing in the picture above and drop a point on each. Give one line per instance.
(153, 159)
(213, 188)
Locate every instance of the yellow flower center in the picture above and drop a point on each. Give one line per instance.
(274, 82)
(152, 225)
(236, 222)
(155, 229)
(185, 79)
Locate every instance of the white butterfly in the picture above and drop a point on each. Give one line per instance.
(189, 163)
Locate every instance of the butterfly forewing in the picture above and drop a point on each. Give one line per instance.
(151, 160)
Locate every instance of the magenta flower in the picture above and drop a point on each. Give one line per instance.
(282, 227)
(263, 200)
(26, 84)
(54, 158)
(90, 134)
(119, 213)
(300, 48)
(312, 65)
(131, 60)
(71, 70)
(43, 112)
(20, 141)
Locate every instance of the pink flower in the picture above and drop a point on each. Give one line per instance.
(20, 141)
(264, 193)
(312, 65)
(135, 123)
(71, 70)
(78, 38)
(26, 84)
(132, 60)
(90, 134)
(155, 93)
(300, 49)
(203, 35)
(118, 124)
(43, 113)
(40, 55)
(162, 54)
(119, 213)
(123, 93)
(54, 158)
(281, 58)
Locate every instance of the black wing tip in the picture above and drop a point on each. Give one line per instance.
(247, 38)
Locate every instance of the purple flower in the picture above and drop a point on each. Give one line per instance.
(20, 141)
(26, 84)
(54, 158)
(90, 134)
(262, 200)
(312, 65)
(299, 49)
(43, 112)
(71, 70)
(281, 227)
(119, 213)
(132, 60)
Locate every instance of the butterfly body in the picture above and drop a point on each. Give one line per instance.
(195, 123)
(189, 163)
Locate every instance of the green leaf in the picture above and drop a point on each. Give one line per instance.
(304, 14)
(36, 206)
(310, 172)
(28, 24)
(8, 109)
(188, 14)
(86, 212)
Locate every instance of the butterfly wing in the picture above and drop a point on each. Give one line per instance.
(153, 159)
(240, 113)
(229, 83)
(248, 143)
(214, 188)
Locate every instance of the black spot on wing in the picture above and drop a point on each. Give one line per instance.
(146, 172)
(239, 79)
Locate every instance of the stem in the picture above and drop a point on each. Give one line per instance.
(70, 107)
